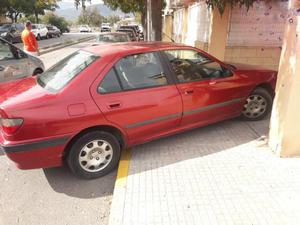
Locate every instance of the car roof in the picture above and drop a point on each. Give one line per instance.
(127, 48)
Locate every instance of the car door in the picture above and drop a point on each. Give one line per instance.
(210, 91)
(13, 62)
(138, 95)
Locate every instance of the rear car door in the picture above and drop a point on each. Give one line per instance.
(14, 63)
(137, 95)
(210, 91)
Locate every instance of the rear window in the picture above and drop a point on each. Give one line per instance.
(112, 38)
(58, 76)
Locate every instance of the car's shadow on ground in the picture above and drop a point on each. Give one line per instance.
(63, 181)
(200, 142)
(196, 143)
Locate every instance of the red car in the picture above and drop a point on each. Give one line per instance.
(102, 99)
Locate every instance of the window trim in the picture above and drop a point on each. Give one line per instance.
(192, 49)
(164, 67)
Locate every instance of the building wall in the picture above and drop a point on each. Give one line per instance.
(255, 36)
(198, 25)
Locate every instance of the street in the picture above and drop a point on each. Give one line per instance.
(52, 196)
(65, 38)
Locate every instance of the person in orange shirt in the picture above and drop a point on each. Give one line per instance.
(30, 44)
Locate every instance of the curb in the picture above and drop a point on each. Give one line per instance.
(61, 45)
(118, 201)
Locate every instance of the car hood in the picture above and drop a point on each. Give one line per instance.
(18, 94)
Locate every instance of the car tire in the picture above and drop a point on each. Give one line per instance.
(258, 105)
(38, 37)
(37, 71)
(94, 155)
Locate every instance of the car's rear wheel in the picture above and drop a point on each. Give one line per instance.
(94, 155)
(258, 105)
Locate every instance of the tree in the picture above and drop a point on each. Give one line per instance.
(58, 21)
(39, 7)
(221, 4)
(90, 17)
(15, 8)
(81, 2)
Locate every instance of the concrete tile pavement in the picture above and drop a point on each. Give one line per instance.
(219, 174)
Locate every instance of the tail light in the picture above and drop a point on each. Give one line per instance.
(10, 125)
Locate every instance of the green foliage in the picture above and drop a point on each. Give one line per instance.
(221, 4)
(58, 21)
(127, 6)
(90, 16)
(81, 2)
(14, 8)
(112, 19)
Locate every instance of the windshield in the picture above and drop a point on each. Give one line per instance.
(5, 26)
(33, 26)
(112, 38)
(63, 72)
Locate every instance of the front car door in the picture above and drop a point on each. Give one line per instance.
(14, 63)
(210, 91)
(137, 95)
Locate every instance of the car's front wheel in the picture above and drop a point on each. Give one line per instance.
(94, 155)
(258, 105)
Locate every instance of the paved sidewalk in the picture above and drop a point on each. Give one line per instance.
(220, 174)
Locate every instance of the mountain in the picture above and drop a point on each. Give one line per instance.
(71, 13)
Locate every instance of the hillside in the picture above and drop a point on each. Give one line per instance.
(71, 13)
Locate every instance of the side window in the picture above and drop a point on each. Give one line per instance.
(190, 65)
(141, 71)
(110, 83)
(9, 52)
(20, 27)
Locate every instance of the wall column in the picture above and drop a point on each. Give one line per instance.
(219, 32)
(184, 25)
(168, 28)
(285, 121)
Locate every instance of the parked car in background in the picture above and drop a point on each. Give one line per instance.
(85, 28)
(11, 32)
(130, 33)
(53, 31)
(40, 31)
(112, 37)
(103, 99)
(105, 27)
(134, 28)
(16, 64)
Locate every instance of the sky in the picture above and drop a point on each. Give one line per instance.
(70, 3)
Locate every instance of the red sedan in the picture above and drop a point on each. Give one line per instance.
(102, 99)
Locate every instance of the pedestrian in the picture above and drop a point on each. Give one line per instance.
(30, 43)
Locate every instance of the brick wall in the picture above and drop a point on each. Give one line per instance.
(267, 57)
(263, 25)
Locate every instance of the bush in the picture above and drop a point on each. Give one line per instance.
(59, 22)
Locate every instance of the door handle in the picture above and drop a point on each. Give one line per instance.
(188, 92)
(2, 68)
(114, 105)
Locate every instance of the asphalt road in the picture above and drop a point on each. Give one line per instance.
(52, 196)
(66, 37)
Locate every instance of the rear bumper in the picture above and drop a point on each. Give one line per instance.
(38, 154)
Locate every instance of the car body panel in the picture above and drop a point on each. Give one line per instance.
(53, 119)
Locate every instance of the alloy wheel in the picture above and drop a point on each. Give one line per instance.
(95, 156)
(255, 106)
